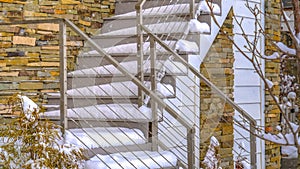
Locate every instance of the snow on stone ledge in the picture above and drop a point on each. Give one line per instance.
(132, 160)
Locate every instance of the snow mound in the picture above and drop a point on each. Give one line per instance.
(286, 49)
(197, 27)
(28, 107)
(275, 55)
(132, 160)
(186, 46)
(203, 6)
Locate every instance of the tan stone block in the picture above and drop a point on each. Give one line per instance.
(74, 43)
(45, 64)
(30, 85)
(17, 61)
(6, 0)
(54, 73)
(69, 2)
(50, 47)
(5, 44)
(12, 74)
(50, 3)
(39, 14)
(8, 38)
(48, 27)
(20, 40)
(44, 32)
(59, 11)
(86, 23)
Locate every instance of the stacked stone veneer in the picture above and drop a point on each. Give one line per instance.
(272, 69)
(29, 53)
(216, 115)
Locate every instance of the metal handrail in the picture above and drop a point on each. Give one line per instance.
(63, 76)
(139, 25)
(141, 28)
(251, 120)
(190, 127)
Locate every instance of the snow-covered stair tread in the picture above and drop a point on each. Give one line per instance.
(175, 9)
(106, 112)
(131, 48)
(116, 89)
(96, 137)
(172, 67)
(133, 160)
(160, 28)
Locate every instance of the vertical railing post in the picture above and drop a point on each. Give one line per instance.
(63, 76)
(140, 56)
(192, 9)
(191, 147)
(154, 107)
(253, 146)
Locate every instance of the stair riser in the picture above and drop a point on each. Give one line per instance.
(112, 25)
(83, 102)
(109, 41)
(129, 6)
(91, 61)
(78, 81)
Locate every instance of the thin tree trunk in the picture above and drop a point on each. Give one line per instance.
(297, 25)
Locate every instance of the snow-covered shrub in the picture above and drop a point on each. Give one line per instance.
(29, 142)
(212, 158)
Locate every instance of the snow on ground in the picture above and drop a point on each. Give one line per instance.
(106, 111)
(132, 160)
(104, 137)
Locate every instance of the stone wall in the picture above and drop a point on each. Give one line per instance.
(272, 69)
(216, 115)
(29, 53)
